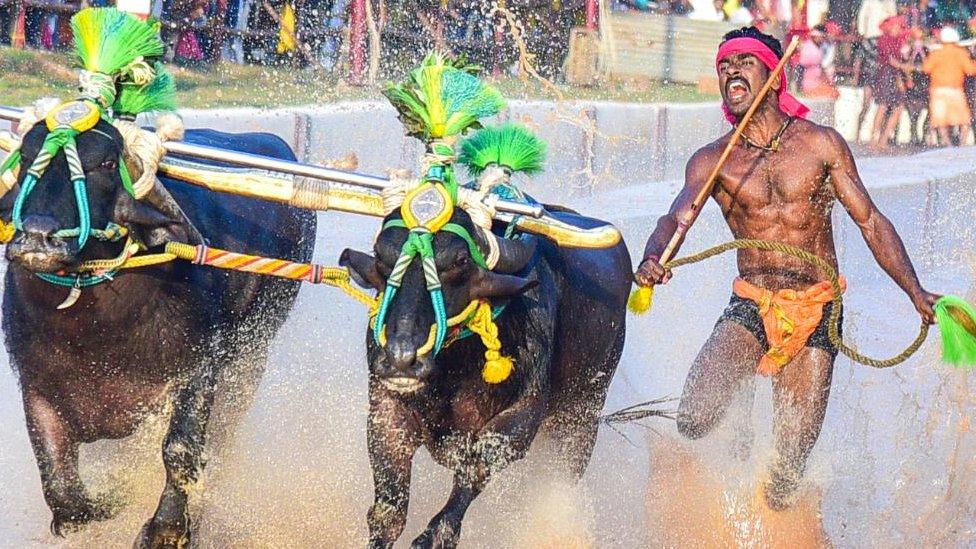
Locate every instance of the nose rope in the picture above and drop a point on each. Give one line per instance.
(420, 241)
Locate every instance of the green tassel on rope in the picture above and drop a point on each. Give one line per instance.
(158, 95)
(957, 324)
(510, 145)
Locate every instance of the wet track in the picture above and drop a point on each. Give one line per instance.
(894, 465)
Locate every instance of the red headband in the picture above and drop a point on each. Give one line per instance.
(787, 103)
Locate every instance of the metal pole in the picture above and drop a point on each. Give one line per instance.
(357, 41)
(295, 168)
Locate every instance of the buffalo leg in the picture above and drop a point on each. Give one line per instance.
(502, 441)
(184, 461)
(577, 422)
(56, 451)
(392, 439)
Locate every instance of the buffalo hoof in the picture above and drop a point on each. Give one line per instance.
(162, 536)
(74, 516)
(442, 533)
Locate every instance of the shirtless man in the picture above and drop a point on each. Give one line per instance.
(779, 184)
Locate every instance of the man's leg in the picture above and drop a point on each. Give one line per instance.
(725, 363)
(800, 394)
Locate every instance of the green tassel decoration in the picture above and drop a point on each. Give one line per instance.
(440, 100)
(509, 145)
(113, 47)
(108, 40)
(158, 95)
(957, 324)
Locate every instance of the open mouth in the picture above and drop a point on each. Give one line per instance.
(736, 89)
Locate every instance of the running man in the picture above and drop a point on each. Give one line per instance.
(779, 184)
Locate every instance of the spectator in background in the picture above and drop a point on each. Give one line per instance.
(814, 81)
(947, 68)
(889, 87)
(916, 84)
(869, 19)
(6, 23)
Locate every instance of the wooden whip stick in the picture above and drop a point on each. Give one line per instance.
(706, 191)
(640, 300)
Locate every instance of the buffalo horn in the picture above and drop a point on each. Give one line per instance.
(514, 254)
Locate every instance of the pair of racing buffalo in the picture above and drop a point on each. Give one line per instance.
(176, 334)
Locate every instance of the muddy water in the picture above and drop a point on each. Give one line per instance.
(894, 465)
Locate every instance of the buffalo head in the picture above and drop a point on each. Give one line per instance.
(401, 363)
(53, 206)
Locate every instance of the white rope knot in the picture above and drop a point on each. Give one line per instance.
(493, 176)
(481, 210)
(143, 151)
(401, 182)
(98, 87)
(35, 113)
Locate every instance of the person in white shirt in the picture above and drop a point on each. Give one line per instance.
(871, 14)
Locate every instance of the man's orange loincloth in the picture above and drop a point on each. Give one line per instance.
(789, 318)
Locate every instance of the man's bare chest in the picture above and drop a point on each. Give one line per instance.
(751, 178)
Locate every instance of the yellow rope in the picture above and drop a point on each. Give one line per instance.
(833, 326)
(427, 347)
(497, 368)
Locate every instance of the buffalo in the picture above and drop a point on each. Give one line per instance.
(165, 337)
(563, 323)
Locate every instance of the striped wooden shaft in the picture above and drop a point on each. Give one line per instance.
(224, 259)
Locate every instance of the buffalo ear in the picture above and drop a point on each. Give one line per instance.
(489, 284)
(362, 268)
(152, 227)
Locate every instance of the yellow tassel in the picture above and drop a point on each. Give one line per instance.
(7, 231)
(497, 368)
(641, 300)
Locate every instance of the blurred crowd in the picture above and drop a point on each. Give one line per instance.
(917, 59)
(910, 61)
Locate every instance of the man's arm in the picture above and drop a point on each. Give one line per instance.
(650, 271)
(878, 232)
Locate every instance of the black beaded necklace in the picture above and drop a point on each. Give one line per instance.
(773, 145)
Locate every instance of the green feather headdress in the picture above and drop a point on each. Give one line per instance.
(509, 145)
(438, 99)
(112, 46)
(158, 95)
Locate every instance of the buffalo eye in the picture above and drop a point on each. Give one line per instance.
(108, 164)
(458, 270)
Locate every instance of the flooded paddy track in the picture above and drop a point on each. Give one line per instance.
(893, 465)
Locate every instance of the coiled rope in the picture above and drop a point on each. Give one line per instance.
(833, 326)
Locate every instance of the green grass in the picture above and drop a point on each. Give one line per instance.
(28, 75)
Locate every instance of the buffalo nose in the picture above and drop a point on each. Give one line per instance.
(401, 358)
(40, 226)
